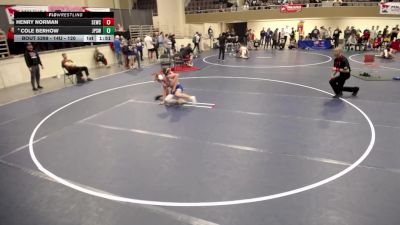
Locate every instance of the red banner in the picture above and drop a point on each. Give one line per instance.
(10, 10)
(291, 8)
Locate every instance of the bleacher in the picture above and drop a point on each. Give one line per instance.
(148, 4)
(205, 6)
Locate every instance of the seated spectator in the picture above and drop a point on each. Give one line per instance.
(99, 57)
(70, 66)
(351, 42)
(293, 44)
(187, 54)
(377, 42)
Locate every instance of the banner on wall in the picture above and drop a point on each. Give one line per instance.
(389, 8)
(291, 8)
(11, 10)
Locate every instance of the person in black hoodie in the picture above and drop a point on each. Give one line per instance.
(32, 60)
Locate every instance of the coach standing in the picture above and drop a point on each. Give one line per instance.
(341, 65)
(32, 60)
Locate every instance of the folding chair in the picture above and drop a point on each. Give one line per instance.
(165, 61)
(68, 75)
(178, 60)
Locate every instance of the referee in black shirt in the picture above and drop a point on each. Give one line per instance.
(341, 65)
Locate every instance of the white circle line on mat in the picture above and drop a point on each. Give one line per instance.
(270, 67)
(200, 204)
(356, 61)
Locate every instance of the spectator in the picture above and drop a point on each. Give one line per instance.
(329, 33)
(246, 6)
(119, 28)
(336, 36)
(33, 61)
(373, 35)
(132, 54)
(292, 34)
(126, 53)
(378, 42)
(315, 33)
(365, 37)
(324, 33)
(99, 57)
(139, 48)
(160, 40)
(353, 30)
(70, 66)
(156, 44)
(167, 46)
(210, 33)
(268, 35)
(262, 36)
(10, 40)
(173, 43)
(286, 33)
(196, 42)
(347, 34)
(118, 49)
(187, 54)
(275, 38)
(352, 41)
(148, 41)
(292, 44)
(394, 33)
(385, 32)
(246, 35)
(222, 43)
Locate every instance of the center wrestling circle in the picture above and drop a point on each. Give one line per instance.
(197, 204)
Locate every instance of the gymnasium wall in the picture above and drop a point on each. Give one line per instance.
(14, 71)
(309, 24)
(90, 3)
(319, 12)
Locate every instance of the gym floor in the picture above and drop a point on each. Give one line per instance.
(275, 149)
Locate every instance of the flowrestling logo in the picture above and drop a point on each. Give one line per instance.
(291, 8)
(390, 8)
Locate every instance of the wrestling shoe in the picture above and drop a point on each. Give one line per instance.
(338, 95)
(193, 99)
(356, 91)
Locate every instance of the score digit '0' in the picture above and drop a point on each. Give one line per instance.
(108, 21)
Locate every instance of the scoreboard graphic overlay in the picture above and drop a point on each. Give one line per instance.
(64, 27)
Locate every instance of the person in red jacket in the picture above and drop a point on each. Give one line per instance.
(377, 42)
(10, 40)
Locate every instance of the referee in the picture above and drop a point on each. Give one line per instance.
(341, 65)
